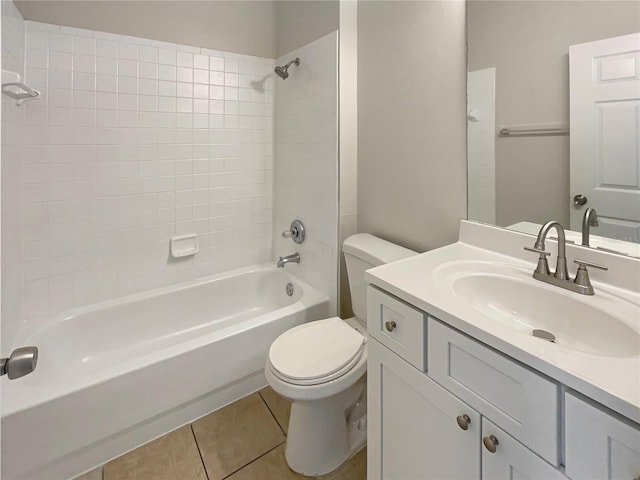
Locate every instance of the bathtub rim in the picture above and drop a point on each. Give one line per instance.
(25, 397)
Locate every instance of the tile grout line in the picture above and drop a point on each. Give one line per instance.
(272, 414)
(253, 461)
(195, 439)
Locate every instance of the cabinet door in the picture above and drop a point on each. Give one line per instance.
(413, 431)
(599, 445)
(511, 459)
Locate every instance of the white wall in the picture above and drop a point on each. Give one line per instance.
(245, 26)
(12, 128)
(348, 140)
(412, 121)
(481, 145)
(299, 22)
(528, 44)
(135, 141)
(306, 170)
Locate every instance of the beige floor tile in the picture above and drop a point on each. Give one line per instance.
(171, 457)
(354, 469)
(95, 474)
(279, 406)
(235, 435)
(271, 466)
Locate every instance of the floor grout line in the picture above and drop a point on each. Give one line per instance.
(272, 414)
(254, 460)
(195, 439)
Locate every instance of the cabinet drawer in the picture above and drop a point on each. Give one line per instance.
(599, 445)
(398, 326)
(521, 402)
(511, 459)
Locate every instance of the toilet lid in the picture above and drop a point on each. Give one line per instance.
(316, 352)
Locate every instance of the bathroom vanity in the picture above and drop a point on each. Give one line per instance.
(460, 387)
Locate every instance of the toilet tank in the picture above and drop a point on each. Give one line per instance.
(364, 251)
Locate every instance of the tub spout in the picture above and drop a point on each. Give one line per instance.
(294, 258)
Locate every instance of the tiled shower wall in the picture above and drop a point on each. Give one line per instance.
(12, 127)
(134, 141)
(306, 172)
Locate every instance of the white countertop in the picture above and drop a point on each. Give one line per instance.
(596, 241)
(611, 381)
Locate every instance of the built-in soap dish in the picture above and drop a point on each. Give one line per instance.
(184, 245)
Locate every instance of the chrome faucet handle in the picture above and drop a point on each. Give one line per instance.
(584, 263)
(543, 265)
(582, 281)
(543, 253)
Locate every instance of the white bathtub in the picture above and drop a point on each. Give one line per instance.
(117, 374)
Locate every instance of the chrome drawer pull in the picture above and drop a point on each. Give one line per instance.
(463, 421)
(490, 443)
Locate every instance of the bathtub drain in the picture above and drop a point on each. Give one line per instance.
(289, 289)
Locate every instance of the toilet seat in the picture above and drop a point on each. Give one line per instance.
(316, 352)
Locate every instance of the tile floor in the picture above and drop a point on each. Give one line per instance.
(242, 441)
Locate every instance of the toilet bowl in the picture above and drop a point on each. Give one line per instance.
(321, 367)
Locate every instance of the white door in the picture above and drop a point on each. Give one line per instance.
(605, 134)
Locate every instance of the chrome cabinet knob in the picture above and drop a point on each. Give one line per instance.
(22, 362)
(490, 443)
(390, 326)
(580, 200)
(463, 421)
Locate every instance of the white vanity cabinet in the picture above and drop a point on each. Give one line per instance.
(517, 399)
(413, 431)
(504, 458)
(599, 445)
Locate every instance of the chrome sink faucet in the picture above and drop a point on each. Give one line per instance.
(293, 258)
(560, 278)
(561, 272)
(590, 219)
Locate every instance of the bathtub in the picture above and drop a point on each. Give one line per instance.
(117, 374)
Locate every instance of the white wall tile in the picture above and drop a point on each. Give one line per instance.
(306, 173)
(129, 148)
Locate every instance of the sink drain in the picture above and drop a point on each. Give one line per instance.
(543, 334)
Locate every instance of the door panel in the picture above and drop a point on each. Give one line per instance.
(605, 134)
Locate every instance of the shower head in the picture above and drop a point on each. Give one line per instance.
(283, 72)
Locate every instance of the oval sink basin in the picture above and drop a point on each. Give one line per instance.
(576, 321)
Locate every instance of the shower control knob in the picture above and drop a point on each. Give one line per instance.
(296, 232)
(22, 362)
(463, 421)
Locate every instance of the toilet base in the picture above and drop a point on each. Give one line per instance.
(323, 434)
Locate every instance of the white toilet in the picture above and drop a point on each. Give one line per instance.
(320, 366)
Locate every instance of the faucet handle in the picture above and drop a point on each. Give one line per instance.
(582, 279)
(543, 265)
(543, 253)
(583, 263)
